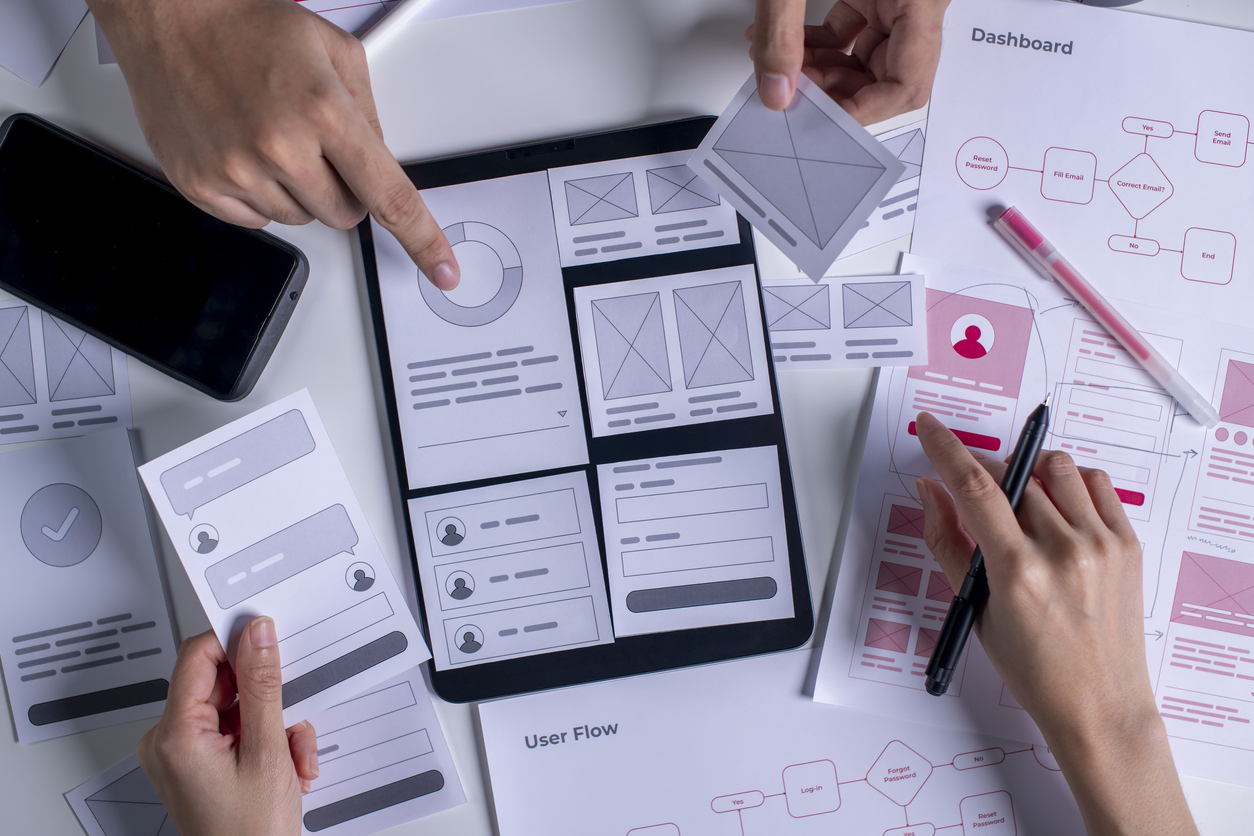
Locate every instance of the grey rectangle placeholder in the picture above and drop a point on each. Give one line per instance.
(347, 666)
(701, 594)
(98, 702)
(281, 556)
(372, 801)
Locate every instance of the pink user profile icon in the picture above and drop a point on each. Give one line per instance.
(972, 336)
(1221, 434)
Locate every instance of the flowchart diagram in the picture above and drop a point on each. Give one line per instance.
(1139, 184)
(899, 774)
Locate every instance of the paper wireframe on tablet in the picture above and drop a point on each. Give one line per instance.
(807, 178)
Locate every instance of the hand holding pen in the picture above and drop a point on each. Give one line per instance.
(1063, 624)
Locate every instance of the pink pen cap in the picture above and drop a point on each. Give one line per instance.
(1042, 255)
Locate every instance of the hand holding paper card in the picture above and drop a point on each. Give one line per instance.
(265, 522)
(383, 759)
(806, 178)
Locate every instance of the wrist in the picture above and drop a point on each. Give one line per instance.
(1121, 772)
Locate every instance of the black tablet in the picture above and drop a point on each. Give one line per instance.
(587, 431)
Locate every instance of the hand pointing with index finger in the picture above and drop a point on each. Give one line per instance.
(260, 110)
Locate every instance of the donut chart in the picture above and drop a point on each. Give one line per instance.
(511, 277)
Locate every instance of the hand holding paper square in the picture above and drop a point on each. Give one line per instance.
(806, 177)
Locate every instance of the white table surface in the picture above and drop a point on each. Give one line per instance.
(448, 87)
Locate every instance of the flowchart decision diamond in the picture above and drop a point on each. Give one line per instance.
(1141, 186)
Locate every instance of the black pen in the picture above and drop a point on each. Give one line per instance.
(971, 598)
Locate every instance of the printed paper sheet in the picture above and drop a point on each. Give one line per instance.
(736, 748)
(997, 346)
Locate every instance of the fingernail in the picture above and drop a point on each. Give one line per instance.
(261, 632)
(925, 496)
(445, 276)
(313, 764)
(775, 90)
(925, 420)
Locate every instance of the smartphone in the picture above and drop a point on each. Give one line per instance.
(119, 253)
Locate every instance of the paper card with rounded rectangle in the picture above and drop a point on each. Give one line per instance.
(673, 350)
(678, 188)
(278, 531)
(85, 637)
(610, 197)
(806, 177)
(631, 345)
(383, 757)
(489, 556)
(484, 375)
(877, 304)
(281, 555)
(237, 462)
(695, 540)
(639, 206)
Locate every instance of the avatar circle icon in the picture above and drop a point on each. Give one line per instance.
(450, 531)
(972, 336)
(511, 277)
(359, 577)
(459, 585)
(204, 538)
(61, 525)
(469, 638)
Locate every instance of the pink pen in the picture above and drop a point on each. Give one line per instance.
(1052, 265)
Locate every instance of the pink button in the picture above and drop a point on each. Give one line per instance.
(1221, 434)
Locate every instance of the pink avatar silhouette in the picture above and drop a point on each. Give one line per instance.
(971, 348)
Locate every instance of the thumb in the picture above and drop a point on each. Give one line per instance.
(943, 531)
(778, 49)
(260, 684)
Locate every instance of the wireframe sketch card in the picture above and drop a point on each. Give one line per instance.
(264, 521)
(807, 178)
(87, 640)
(56, 381)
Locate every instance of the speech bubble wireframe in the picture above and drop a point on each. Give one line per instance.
(236, 462)
(281, 556)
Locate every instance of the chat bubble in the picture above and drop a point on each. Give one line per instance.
(281, 556)
(233, 464)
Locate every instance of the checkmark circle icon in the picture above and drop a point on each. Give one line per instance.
(61, 525)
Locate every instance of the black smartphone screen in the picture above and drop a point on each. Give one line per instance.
(124, 256)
